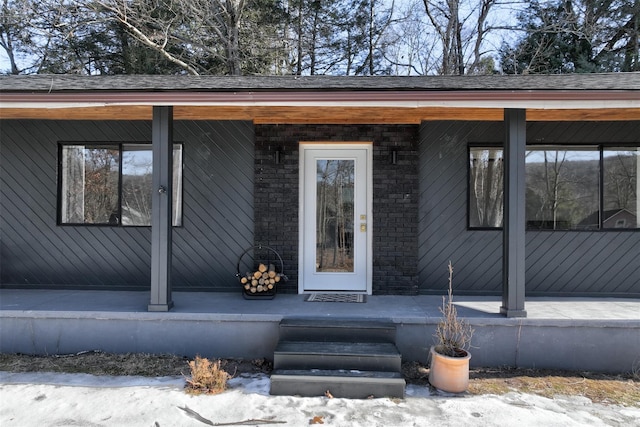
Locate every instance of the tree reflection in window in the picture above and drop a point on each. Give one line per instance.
(562, 187)
(94, 190)
(563, 190)
(334, 215)
(621, 178)
(89, 184)
(486, 187)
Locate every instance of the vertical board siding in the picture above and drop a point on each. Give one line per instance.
(217, 209)
(557, 262)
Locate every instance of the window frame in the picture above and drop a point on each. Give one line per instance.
(601, 149)
(121, 148)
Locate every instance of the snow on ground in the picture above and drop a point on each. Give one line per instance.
(43, 399)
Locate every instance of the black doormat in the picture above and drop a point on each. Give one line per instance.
(336, 298)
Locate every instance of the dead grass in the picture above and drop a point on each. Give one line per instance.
(607, 391)
(599, 388)
(207, 377)
(140, 364)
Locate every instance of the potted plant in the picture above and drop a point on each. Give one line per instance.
(449, 369)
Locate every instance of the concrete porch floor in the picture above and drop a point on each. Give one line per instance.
(594, 334)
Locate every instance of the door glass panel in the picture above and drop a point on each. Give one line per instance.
(334, 215)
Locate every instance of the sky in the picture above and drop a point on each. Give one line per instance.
(4, 61)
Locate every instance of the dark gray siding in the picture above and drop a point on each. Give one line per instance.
(557, 263)
(217, 209)
(442, 230)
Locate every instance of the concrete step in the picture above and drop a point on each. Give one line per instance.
(337, 330)
(337, 355)
(349, 358)
(352, 384)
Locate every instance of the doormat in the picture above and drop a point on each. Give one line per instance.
(336, 298)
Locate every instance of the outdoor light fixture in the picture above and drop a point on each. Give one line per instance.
(394, 157)
(278, 155)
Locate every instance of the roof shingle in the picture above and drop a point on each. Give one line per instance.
(49, 83)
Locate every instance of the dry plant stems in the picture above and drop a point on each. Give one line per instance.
(453, 335)
(206, 377)
(635, 369)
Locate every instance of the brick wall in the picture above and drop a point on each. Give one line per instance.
(395, 192)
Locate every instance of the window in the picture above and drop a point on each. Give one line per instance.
(621, 183)
(110, 184)
(567, 187)
(486, 171)
(562, 188)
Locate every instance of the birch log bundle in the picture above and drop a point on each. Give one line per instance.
(264, 279)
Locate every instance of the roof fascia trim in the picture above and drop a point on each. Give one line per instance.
(491, 104)
(288, 97)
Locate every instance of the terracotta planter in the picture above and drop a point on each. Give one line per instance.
(449, 374)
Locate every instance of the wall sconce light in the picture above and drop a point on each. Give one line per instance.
(394, 157)
(278, 156)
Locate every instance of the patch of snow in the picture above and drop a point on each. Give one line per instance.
(37, 399)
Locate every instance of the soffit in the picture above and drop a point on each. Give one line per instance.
(322, 99)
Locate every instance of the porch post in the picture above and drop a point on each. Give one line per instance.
(513, 258)
(161, 195)
(637, 186)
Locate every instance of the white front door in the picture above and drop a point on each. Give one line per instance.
(335, 217)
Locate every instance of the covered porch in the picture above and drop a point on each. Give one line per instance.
(39, 321)
(587, 334)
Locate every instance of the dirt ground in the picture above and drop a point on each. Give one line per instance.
(600, 388)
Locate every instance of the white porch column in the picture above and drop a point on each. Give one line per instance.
(513, 258)
(161, 187)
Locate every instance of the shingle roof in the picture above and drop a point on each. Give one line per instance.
(162, 83)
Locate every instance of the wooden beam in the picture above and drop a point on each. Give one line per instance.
(618, 114)
(315, 115)
(348, 115)
(112, 112)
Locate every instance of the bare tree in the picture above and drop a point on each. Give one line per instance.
(445, 19)
(621, 180)
(153, 28)
(201, 36)
(553, 181)
(31, 33)
(486, 187)
(412, 47)
(461, 27)
(14, 30)
(335, 216)
(448, 37)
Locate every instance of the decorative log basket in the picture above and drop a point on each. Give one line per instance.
(261, 281)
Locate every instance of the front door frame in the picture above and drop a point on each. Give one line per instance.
(368, 146)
